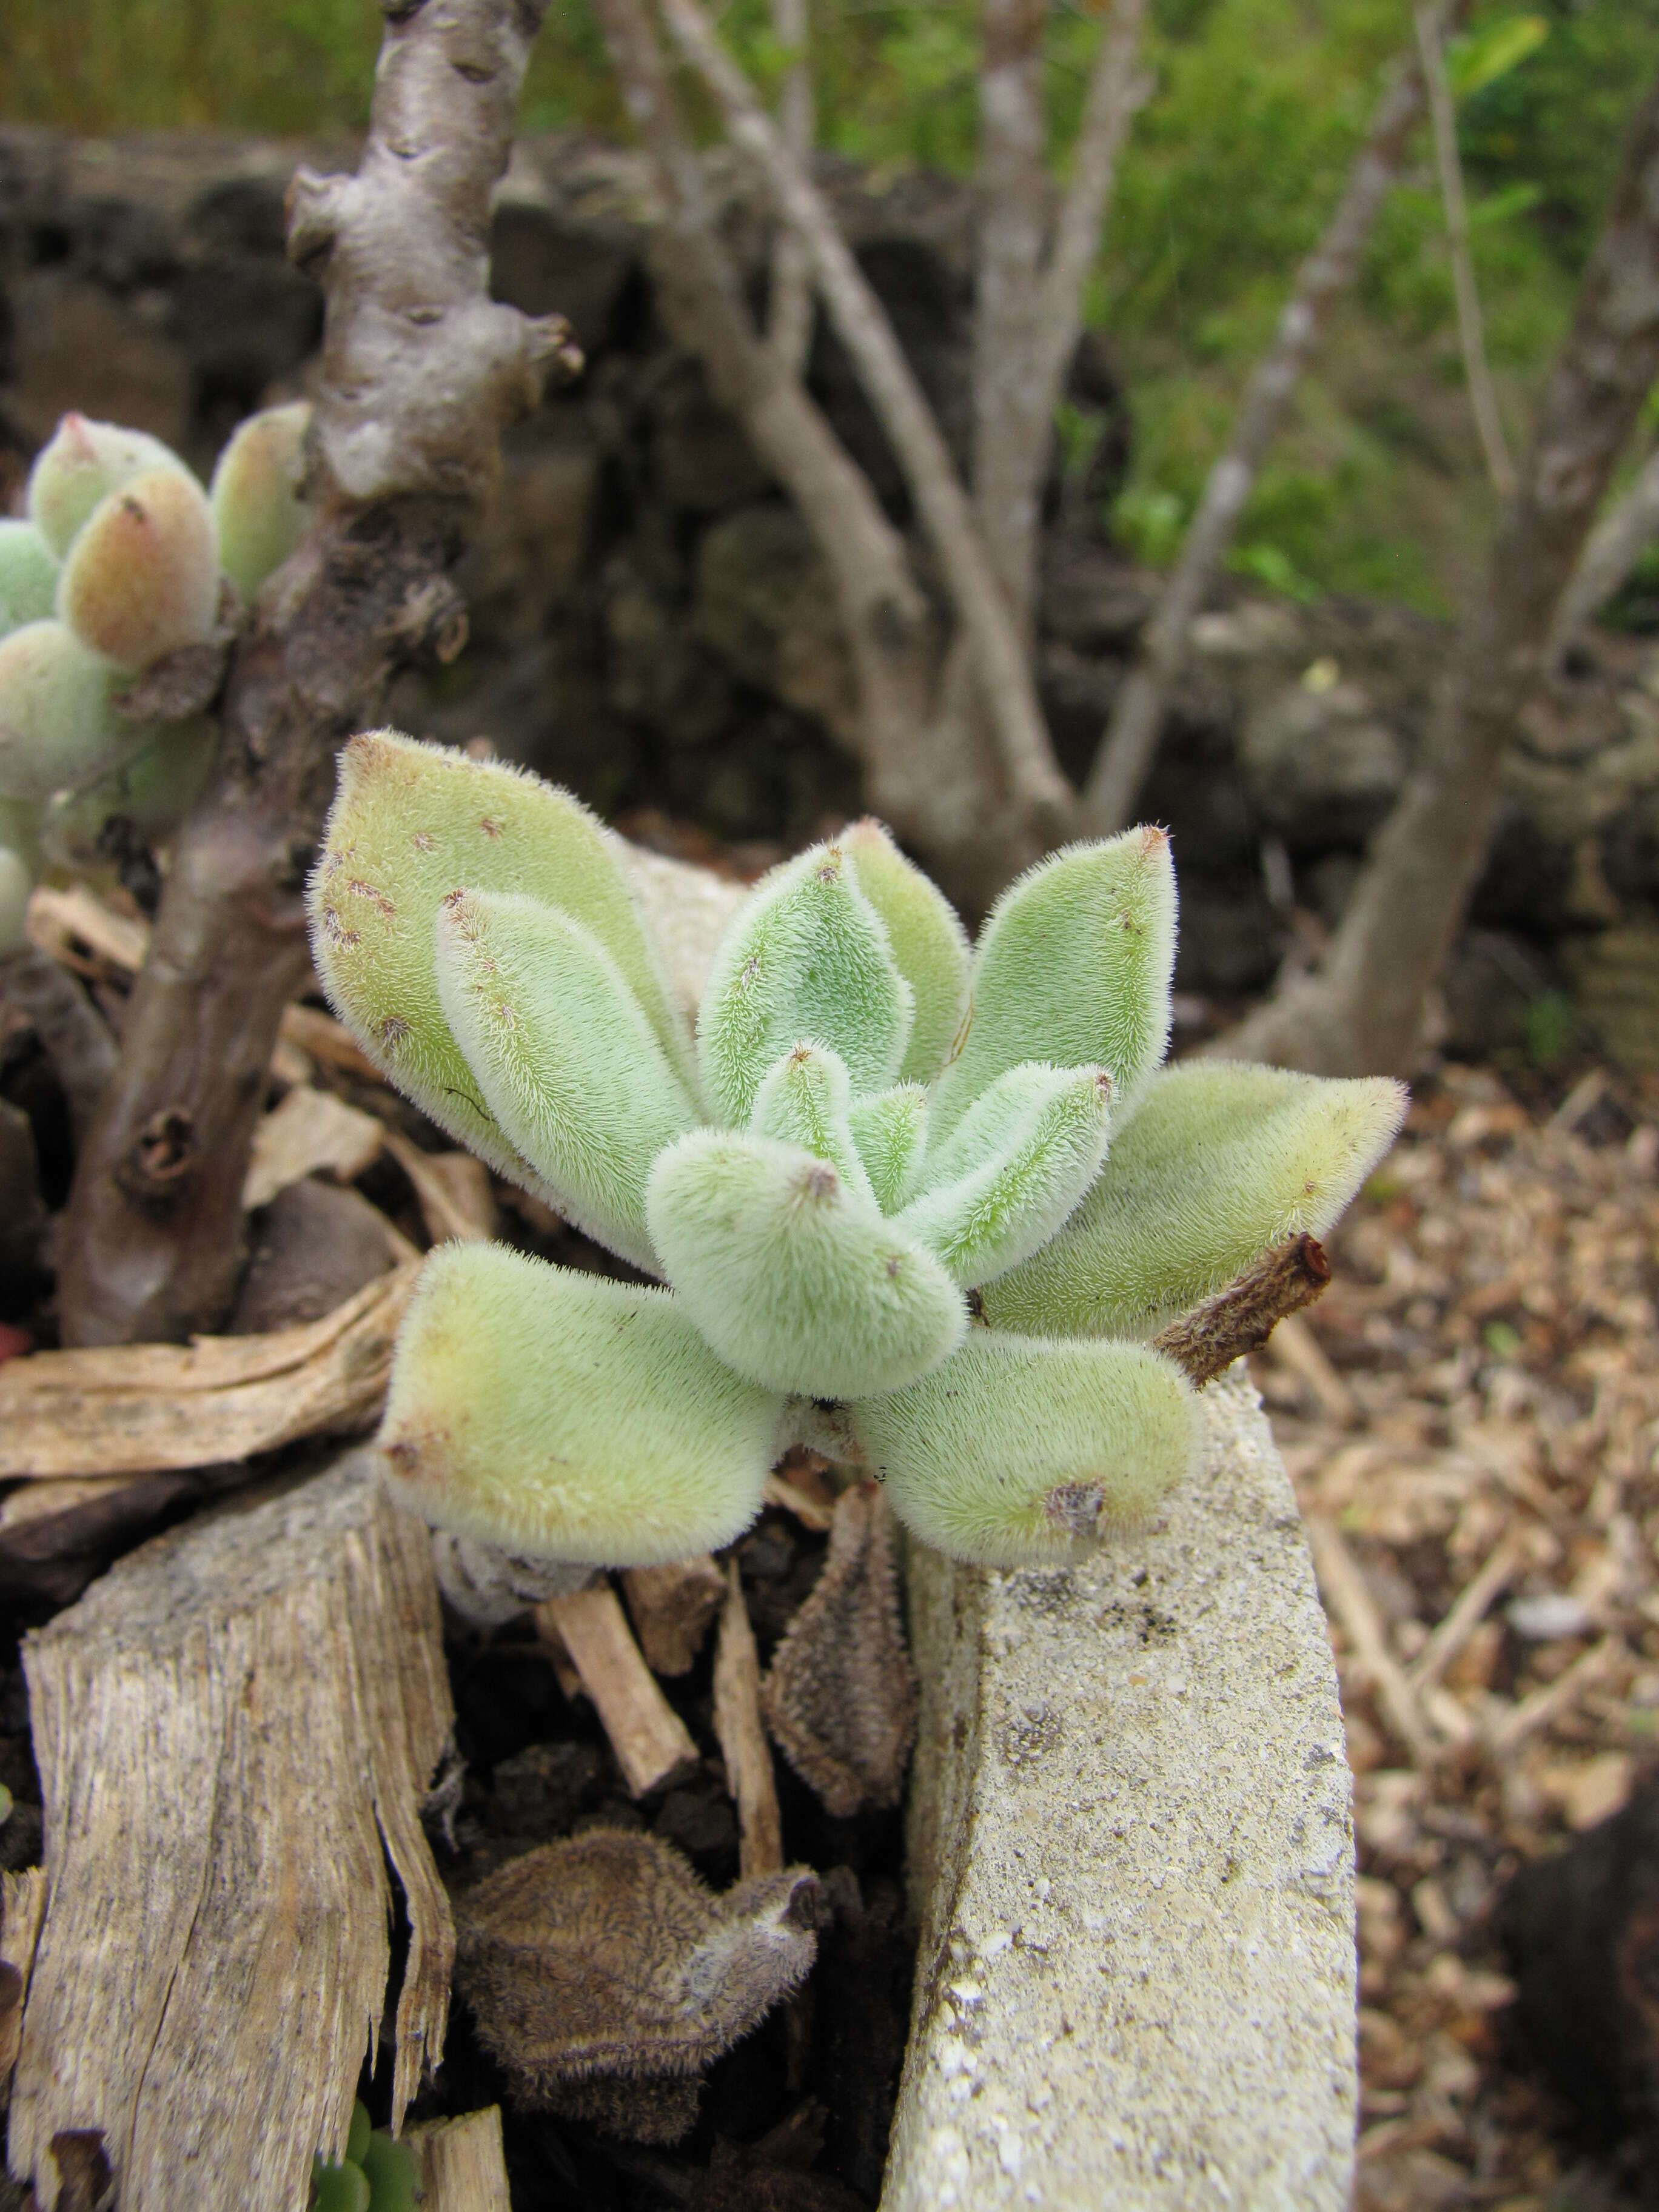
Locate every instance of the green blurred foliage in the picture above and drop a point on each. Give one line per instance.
(1232, 170)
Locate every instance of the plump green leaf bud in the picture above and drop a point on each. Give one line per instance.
(85, 462)
(1013, 1169)
(257, 496)
(1073, 966)
(791, 1276)
(928, 942)
(569, 1417)
(806, 956)
(1219, 1163)
(142, 579)
(805, 1098)
(564, 1056)
(343, 2188)
(16, 881)
(153, 787)
(891, 1131)
(412, 823)
(29, 577)
(56, 726)
(362, 2128)
(1022, 1453)
(392, 2173)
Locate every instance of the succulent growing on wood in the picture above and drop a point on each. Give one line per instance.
(120, 564)
(935, 1199)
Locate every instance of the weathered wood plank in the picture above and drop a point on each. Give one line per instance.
(234, 1729)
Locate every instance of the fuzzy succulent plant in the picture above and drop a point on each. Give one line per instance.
(119, 564)
(937, 1198)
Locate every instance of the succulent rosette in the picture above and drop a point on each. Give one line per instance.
(936, 1197)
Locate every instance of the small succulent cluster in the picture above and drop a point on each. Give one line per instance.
(377, 2174)
(121, 563)
(934, 1198)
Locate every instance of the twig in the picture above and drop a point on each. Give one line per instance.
(421, 369)
(1005, 683)
(1347, 1597)
(1556, 1697)
(74, 1036)
(1615, 545)
(789, 309)
(1470, 330)
(1207, 1342)
(748, 1756)
(1489, 1581)
(463, 2163)
(647, 1735)
(1131, 738)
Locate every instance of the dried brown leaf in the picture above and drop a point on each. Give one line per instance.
(310, 1133)
(841, 1696)
(601, 1973)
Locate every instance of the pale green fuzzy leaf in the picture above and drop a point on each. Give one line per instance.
(1220, 1162)
(805, 1098)
(567, 1417)
(793, 1278)
(928, 942)
(1074, 967)
(1021, 1453)
(16, 881)
(1013, 1169)
(83, 462)
(56, 726)
(153, 787)
(412, 823)
(142, 579)
(564, 1057)
(891, 1131)
(257, 494)
(806, 956)
(29, 577)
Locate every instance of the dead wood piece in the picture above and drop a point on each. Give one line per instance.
(310, 1133)
(1207, 1342)
(133, 1409)
(23, 1906)
(453, 1190)
(652, 1745)
(463, 2167)
(672, 1608)
(309, 1029)
(234, 1729)
(314, 1246)
(604, 1977)
(749, 1777)
(56, 1536)
(76, 928)
(841, 1695)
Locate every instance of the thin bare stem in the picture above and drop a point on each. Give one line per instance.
(789, 310)
(1038, 788)
(1471, 330)
(1131, 738)
(1616, 545)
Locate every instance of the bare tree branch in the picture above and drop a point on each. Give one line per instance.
(1615, 545)
(1038, 789)
(789, 310)
(1131, 739)
(1471, 331)
(1362, 1012)
(421, 369)
(1014, 412)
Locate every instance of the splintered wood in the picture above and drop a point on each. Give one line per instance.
(1471, 1419)
(463, 2164)
(650, 1740)
(235, 1729)
(748, 1756)
(132, 1409)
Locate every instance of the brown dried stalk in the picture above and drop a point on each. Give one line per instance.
(421, 369)
(1240, 1319)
